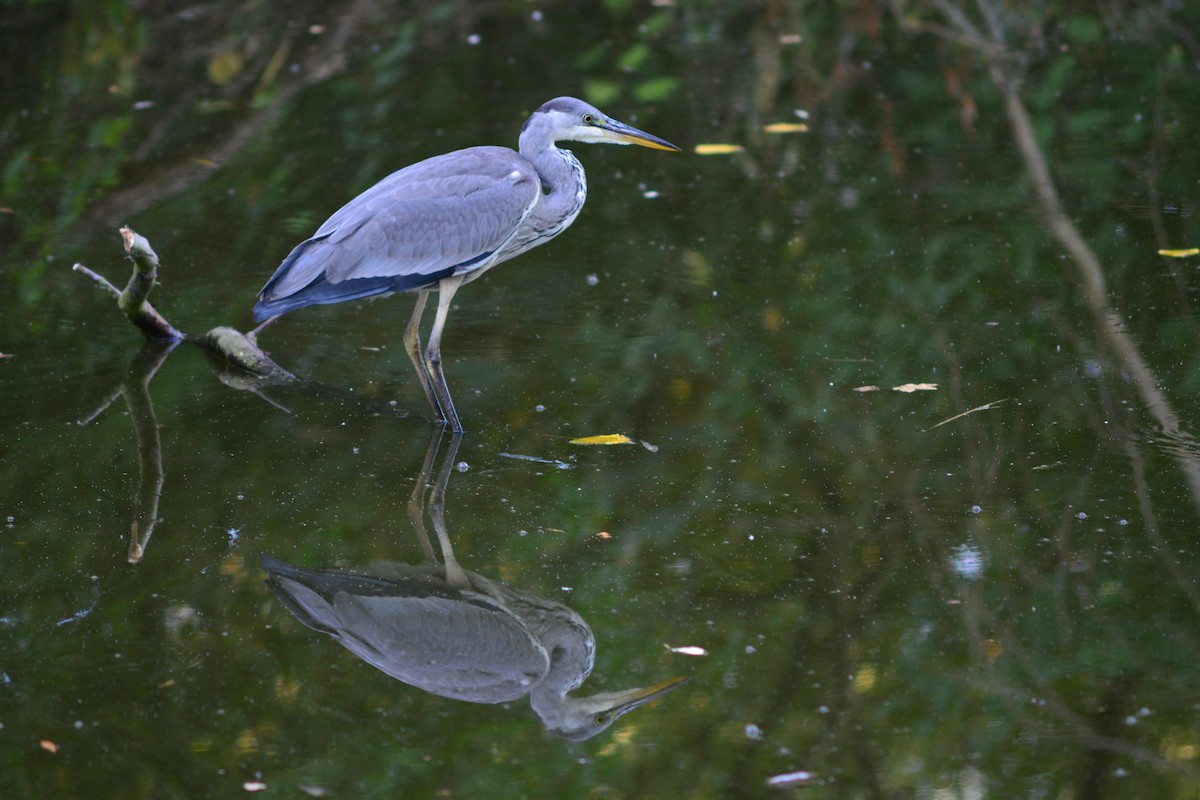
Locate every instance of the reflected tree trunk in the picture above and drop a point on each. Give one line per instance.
(1004, 69)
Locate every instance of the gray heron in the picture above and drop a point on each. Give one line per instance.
(443, 222)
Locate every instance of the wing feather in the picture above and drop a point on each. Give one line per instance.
(444, 215)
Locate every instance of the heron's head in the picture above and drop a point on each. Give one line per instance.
(569, 119)
(582, 718)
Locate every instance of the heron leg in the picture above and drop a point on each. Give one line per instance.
(253, 335)
(433, 353)
(412, 346)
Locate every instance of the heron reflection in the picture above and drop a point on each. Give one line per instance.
(457, 634)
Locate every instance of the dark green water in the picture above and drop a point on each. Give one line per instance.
(1003, 605)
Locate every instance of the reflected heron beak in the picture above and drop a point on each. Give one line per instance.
(623, 702)
(620, 133)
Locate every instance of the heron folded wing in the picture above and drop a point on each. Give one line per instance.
(471, 218)
(442, 216)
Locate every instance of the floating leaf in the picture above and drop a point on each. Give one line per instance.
(717, 149)
(916, 387)
(789, 779)
(604, 438)
(866, 388)
(786, 127)
(688, 650)
(49, 746)
(1190, 251)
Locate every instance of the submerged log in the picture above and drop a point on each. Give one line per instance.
(239, 350)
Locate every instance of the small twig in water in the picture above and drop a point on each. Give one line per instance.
(984, 407)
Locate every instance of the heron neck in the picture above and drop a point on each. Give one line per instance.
(564, 185)
(572, 650)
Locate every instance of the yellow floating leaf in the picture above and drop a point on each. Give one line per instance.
(717, 149)
(604, 438)
(915, 387)
(1190, 251)
(786, 127)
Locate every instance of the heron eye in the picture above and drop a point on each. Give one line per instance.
(601, 719)
(588, 119)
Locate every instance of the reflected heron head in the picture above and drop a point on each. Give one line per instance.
(581, 718)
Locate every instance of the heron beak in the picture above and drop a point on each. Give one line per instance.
(620, 133)
(624, 702)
